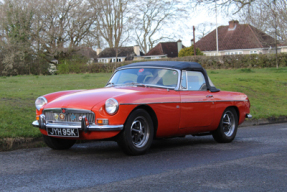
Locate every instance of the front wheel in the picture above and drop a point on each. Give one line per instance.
(137, 136)
(227, 128)
(58, 144)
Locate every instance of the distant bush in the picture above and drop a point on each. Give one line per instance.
(80, 65)
(189, 51)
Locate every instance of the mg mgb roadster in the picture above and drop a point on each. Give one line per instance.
(141, 102)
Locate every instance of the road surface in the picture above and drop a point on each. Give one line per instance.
(255, 161)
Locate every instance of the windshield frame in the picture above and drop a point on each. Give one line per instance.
(151, 85)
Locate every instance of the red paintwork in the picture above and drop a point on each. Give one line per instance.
(177, 112)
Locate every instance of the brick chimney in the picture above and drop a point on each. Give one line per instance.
(232, 25)
(99, 50)
(137, 50)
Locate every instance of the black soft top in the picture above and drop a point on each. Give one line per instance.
(181, 65)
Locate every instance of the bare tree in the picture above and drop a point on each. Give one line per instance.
(270, 16)
(151, 17)
(16, 36)
(227, 4)
(113, 20)
(62, 25)
(203, 29)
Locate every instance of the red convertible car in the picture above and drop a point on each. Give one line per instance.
(141, 102)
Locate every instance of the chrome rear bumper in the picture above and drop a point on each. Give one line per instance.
(82, 126)
(248, 116)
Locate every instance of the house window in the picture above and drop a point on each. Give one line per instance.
(114, 60)
(253, 52)
(234, 53)
(119, 60)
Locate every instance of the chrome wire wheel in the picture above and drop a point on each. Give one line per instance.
(140, 132)
(228, 123)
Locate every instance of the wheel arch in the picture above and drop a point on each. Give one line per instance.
(236, 110)
(151, 113)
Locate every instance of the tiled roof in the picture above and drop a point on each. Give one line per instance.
(164, 48)
(122, 52)
(236, 36)
(87, 52)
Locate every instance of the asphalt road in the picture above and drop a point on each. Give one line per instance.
(254, 161)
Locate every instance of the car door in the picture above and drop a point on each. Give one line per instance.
(197, 104)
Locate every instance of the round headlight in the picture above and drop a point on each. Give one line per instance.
(111, 106)
(40, 101)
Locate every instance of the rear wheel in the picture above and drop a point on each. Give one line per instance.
(227, 128)
(58, 144)
(137, 136)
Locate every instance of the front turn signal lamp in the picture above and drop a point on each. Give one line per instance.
(102, 121)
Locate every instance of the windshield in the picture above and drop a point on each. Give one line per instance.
(159, 77)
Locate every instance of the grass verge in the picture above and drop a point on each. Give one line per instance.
(266, 89)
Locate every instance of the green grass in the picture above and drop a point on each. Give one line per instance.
(18, 95)
(266, 89)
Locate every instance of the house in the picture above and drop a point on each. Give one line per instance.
(164, 50)
(110, 55)
(88, 53)
(237, 39)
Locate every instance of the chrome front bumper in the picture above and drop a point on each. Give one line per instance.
(249, 116)
(82, 126)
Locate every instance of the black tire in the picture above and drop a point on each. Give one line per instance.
(58, 144)
(227, 129)
(138, 133)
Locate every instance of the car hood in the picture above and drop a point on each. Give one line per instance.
(87, 99)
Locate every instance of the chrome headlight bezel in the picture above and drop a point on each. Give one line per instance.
(40, 101)
(111, 106)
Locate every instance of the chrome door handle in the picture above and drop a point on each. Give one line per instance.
(209, 96)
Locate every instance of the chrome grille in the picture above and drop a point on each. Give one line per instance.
(70, 115)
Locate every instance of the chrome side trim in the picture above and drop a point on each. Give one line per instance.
(248, 116)
(180, 102)
(228, 100)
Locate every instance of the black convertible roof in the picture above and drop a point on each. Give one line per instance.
(182, 65)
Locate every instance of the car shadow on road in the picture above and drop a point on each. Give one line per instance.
(111, 149)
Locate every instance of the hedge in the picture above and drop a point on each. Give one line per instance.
(208, 62)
